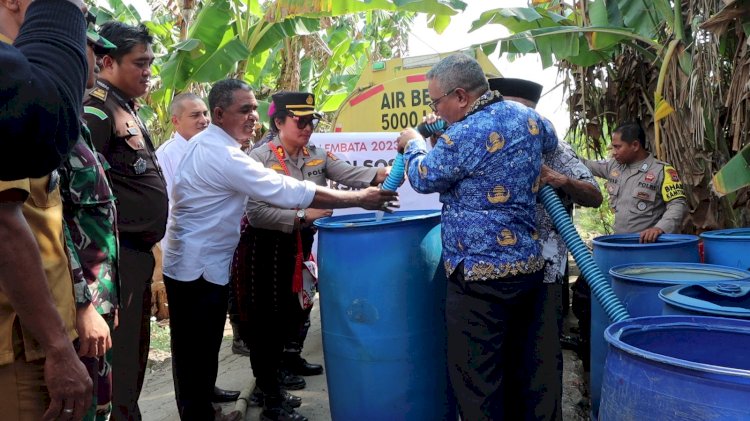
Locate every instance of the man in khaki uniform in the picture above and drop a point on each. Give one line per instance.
(647, 197)
(40, 374)
(646, 194)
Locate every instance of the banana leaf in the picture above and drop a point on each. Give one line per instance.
(734, 175)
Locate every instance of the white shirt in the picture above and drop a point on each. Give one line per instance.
(170, 154)
(210, 187)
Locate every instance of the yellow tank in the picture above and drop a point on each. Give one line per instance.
(392, 95)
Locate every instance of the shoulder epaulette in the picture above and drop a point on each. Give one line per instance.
(99, 93)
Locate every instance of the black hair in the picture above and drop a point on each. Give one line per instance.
(630, 132)
(222, 93)
(125, 37)
(281, 115)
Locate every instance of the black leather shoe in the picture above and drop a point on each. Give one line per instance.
(239, 347)
(220, 395)
(257, 398)
(301, 367)
(281, 414)
(291, 381)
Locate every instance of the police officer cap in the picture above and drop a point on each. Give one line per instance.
(295, 103)
(519, 88)
(100, 44)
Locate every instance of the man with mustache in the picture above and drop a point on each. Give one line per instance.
(215, 179)
(137, 181)
(189, 117)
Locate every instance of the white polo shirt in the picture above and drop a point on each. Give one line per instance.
(211, 185)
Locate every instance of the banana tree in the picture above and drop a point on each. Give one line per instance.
(654, 61)
(270, 45)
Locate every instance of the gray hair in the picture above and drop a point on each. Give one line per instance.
(222, 93)
(459, 71)
(177, 105)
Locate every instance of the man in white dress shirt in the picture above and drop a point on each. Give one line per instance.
(208, 198)
(189, 117)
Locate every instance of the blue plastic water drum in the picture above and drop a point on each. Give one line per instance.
(620, 249)
(638, 285)
(677, 368)
(726, 299)
(382, 302)
(727, 247)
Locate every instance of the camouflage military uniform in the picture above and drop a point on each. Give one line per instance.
(90, 214)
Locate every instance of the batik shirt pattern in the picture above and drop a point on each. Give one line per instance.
(565, 161)
(486, 169)
(90, 215)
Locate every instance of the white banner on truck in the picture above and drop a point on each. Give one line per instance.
(371, 150)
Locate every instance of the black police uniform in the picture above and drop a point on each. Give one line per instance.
(138, 184)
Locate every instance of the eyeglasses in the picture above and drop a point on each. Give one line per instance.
(305, 121)
(433, 104)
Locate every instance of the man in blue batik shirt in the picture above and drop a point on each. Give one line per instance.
(486, 167)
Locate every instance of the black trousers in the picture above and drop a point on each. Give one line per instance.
(197, 313)
(296, 331)
(275, 316)
(504, 357)
(131, 339)
(582, 310)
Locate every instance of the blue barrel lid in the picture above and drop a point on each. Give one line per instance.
(730, 299)
(732, 234)
(369, 219)
(616, 332)
(628, 241)
(677, 273)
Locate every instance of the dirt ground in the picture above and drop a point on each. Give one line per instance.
(157, 400)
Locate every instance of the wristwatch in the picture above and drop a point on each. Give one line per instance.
(301, 216)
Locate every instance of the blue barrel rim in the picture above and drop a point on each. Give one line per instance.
(616, 330)
(730, 234)
(368, 219)
(688, 267)
(664, 297)
(664, 241)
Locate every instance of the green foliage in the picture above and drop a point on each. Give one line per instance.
(556, 33)
(592, 222)
(160, 336)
